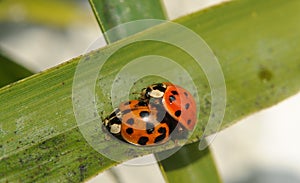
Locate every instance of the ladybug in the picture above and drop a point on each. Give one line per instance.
(139, 123)
(177, 101)
(162, 109)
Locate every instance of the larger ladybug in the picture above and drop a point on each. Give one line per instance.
(138, 123)
(177, 101)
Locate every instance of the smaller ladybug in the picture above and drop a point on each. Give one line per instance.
(177, 101)
(139, 123)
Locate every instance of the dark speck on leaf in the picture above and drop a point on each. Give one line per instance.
(265, 74)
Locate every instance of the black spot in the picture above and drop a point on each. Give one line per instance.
(161, 137)
(129, 131)
(115, 120)
(162, 130)
(189, 122)
(265, 74)
(143, 140)
(174, 92)
(178, 113)
(187, 106)
(172, 98)
(126, 111)
(149, 128)
(127, 103)
(82, 167)
(144, 114)
(141, 103)
(147, 93)
(130, 121)
(159, 87)
(186, 94)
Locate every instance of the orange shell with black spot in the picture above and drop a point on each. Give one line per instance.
(140, 124)
(180, 104)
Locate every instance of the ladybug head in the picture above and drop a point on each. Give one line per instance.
(153, 91)
(156, 90)
(113, 122)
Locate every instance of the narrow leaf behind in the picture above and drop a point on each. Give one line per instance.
(110, 13)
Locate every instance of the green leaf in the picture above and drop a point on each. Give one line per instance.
(110, 13)
(11, 71)
(259, 56)
(190, 165)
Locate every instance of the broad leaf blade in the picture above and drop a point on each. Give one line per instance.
(260, 61)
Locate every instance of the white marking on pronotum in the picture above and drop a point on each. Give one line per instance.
(115, 128)
(156, 94)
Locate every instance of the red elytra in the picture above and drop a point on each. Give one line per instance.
(180, 104)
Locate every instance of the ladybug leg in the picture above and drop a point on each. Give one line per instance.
(176, 142)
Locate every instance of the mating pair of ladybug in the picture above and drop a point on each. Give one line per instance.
(163, 111)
